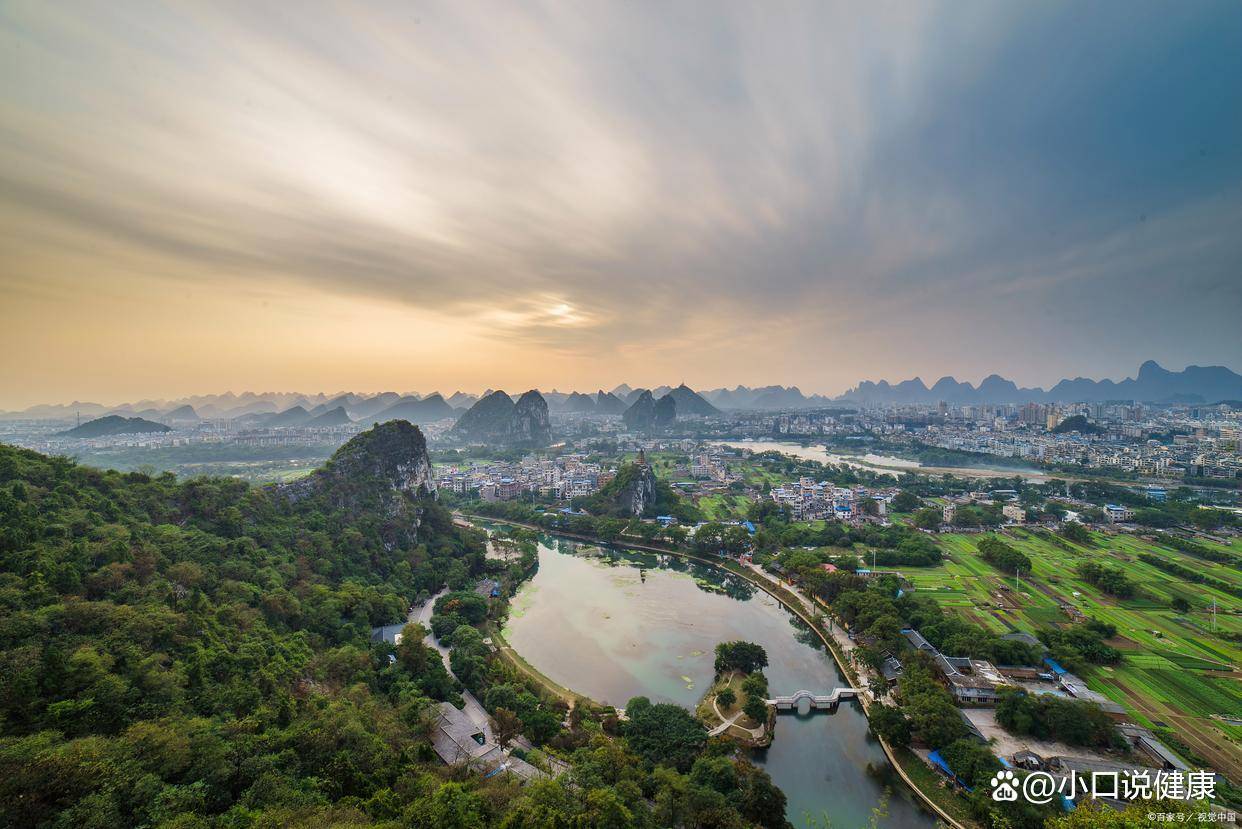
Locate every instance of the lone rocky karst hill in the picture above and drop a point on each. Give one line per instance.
(607, 403)
(381, 472)
(690, 403)
(578, 402)
(636, 492)
(115, 425)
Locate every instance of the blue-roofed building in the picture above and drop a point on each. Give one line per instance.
(1116, 513)
(941, 765)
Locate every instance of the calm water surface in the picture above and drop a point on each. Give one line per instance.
(883, 464)
(617, 624)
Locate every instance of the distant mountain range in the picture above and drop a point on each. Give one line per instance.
(1154, 384)
(764, 398)
(1194, 384)
(429, 409)
(267, 409)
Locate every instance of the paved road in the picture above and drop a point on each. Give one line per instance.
(474, 709)
(839, 635)
(422, 614)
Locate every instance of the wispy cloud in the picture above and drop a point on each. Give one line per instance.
(605, 179)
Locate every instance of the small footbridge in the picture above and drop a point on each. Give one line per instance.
(818, 701)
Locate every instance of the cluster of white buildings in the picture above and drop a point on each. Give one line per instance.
(1013, 512)
(1166, 442)
(711, 466)
(810, 500)
(808, 423)
(1200, 455)
(563, 477)
(1169, 441)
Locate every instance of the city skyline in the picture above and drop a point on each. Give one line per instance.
(231, 197)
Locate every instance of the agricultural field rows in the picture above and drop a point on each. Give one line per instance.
(1180, 673)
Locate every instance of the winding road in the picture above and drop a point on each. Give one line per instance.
(473, 708)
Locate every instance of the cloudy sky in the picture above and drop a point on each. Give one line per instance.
(196, 197)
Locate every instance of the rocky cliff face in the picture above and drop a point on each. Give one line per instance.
(384, 468)
(665, 411)
(641, 492)
(530, 424)
(383, 473)
(632, 493)
(497, 419)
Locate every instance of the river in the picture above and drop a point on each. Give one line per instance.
(615, 624)
(882, 464)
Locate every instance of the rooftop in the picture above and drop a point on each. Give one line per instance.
(458, 740)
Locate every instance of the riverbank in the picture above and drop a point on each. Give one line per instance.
(827, 632)
(506, 652)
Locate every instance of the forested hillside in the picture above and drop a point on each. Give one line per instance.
(197, 654)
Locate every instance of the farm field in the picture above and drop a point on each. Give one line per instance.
(1178, 676)
(724, 507)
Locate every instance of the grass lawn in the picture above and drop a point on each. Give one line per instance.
(734, 681)
(724, 507)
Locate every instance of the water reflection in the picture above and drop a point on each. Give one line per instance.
(613, 624)
(707, 578)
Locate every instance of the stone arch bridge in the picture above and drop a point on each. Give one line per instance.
(818, 701)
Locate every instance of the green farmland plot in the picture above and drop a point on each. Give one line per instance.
(976, 590)
(1178, 673)
(724, 507)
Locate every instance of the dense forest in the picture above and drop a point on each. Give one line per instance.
(198, 654)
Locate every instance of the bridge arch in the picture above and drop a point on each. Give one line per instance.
(784, 703)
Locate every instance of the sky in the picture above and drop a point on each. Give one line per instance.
(201, 197)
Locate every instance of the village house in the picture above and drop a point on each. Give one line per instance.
(970, 681)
